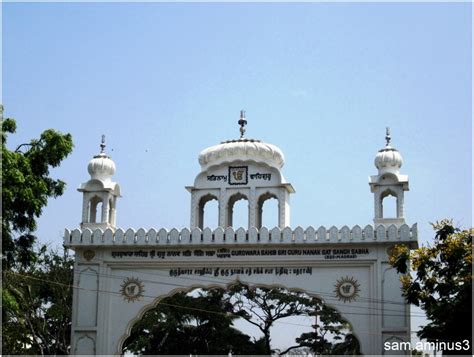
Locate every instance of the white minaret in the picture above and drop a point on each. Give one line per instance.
(100, 193)
(388, 182)
(241, 169)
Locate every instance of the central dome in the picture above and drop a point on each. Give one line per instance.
(241, 150)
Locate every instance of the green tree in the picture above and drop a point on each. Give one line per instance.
(37, 305)
(26, 188)
(188, 324)
(36, 316)
(263, 307)
(441, 285)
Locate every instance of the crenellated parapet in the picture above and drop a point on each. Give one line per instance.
(253, 236)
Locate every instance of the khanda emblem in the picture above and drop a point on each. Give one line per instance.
(347, 289)
(238, 175)
(132, 289)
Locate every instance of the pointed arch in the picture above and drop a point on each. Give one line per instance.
(94, 206)
(260, 215)
(202, 217)
(230, 208)
(389, 204)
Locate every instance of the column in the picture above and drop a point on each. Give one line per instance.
(222, 208)
(194, 208)
(105, 209)
(85, 207)
(400, 202)
(377, 204)
(253, 208)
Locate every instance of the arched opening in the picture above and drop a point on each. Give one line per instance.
(268, 211)
(241, 319)
(208, 212)
(389, 205)
(238, 211)
(95, 208)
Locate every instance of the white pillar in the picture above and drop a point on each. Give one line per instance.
(222, 208)
(85, 208)
(194, 209)
(105, 210)
(252, 208)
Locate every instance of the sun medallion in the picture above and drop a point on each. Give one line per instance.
(132, 289)
(347, 289)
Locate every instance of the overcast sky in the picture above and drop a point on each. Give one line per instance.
(320, 81)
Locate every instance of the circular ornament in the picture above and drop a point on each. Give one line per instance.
(347, 289)
(88, 255)
(132, 289)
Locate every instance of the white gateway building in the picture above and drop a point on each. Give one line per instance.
(119, 274)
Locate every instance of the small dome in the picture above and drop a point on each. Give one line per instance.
(101, 167)
(388, 159)
(242, 150)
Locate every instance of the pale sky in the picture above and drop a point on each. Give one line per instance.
(320, 81)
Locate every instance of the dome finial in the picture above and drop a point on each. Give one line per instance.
(102, 145)
(387, 136)
(242, 122)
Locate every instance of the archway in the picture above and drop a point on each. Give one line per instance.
(268, 217)
(238, 211)
(95, 210)
(208, 211)
(204, 320)
(389, 205)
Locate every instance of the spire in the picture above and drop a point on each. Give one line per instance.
(242, 122)
(387, 136)
(102, 145)
(102, 149)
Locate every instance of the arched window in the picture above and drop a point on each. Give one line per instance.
(208, 212)
(95, 208)
(267, 211)
(389, 205)
(238, 211)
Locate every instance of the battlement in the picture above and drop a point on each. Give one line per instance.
(253, 236)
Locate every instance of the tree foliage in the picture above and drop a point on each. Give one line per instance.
(186, 324)
(442, 283)
(26, 188)
(263, 307)
(36, 312)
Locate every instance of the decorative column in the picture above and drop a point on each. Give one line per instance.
(85, 207)
(105, 209)
(222, 208)
(253, 208)
(194, 211)
(283, 210)
(377, 205)
(400, 202)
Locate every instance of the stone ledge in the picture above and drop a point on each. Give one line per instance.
(220, 236)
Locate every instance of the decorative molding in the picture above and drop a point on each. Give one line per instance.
(384, 234)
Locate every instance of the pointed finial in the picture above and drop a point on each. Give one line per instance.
(242, 123)
(102, 145)
(387, 136)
